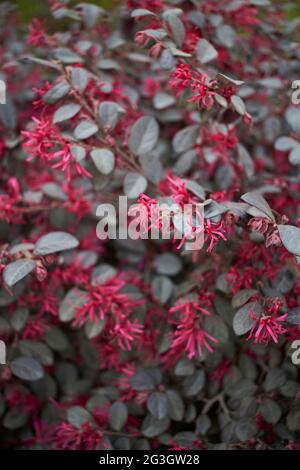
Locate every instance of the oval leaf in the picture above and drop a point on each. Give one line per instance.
(27, 368)
(290, 237)
(158, 405)
(104, 160)
(243, 321)
(66, 112)
(134, 185)
(206, 51)
(117, 416)
(143, 135)
(17, 270)
(54, 242)
(85, 129)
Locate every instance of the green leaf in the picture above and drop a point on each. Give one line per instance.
(231, 80)
(92, 330)
(185, 139)
(256, 200)
(8, 114)
(241, 297)
(143, 135)
(153, 427)
(66, 112)
(242, 388)
(117, 416)
(17, 270)
(294, 156)
(203, 424)
(66, 56)
(138, 12)
(194, 384)
(184, 368)
(134, 185)
(275, 378)
(162, 288)
(109, 113)
(176, 26)
(90, 13)
(77, 416)
(57, 92)
(54, 242)
(176, 405)
(78, 152)
(246, 429)
(285, 143)
(290, 237)
(158, 405)
(19, 318)
(270, 411)
(39, 351)
(245, 161)
(162, 100)
(56, 339)
(168, 264)
(238, 104)
(79, 78)
(292, 116)
(294, 316)
(142, 381)
(85, 129)
(104, 160)
(242, 321)
(206, 51)
(27, 368)
(15, 419)
(54, 191)
(226, 35)
(196, 189)
(74, 299)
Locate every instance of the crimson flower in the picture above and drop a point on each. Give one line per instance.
(267, 327)
(45, 142)
(190, 331)
(87, 437)
(213, 232)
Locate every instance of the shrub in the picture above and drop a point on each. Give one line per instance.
(143, 344)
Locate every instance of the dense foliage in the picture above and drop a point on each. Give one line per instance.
(143, 344)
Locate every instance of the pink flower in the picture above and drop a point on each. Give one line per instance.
(190, 332)
(45, 142)
(103, 298)
(107, 302)
(194, 338)
(199, 84)
(127, 332)
(213, 232)
(181, 78)
(34, 329)
(69, 437)
(37, 33)
(268, 326)
(204, 93)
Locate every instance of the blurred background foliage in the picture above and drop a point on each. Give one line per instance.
(31, 8)
(39, 8)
